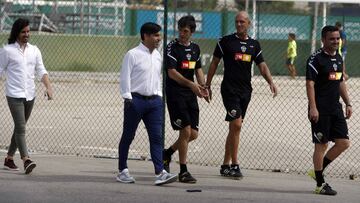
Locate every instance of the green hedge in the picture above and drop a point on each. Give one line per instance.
(81, 53)
(105, 53)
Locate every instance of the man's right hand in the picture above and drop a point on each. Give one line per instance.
(199, 90)
(314, 115)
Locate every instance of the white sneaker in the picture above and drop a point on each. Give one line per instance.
(164, 178)
(125, 177)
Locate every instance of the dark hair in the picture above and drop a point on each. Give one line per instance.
(149, 28)
(18, 25)
(338, 24)
(292, 35)
(189, 21)
(328, 28)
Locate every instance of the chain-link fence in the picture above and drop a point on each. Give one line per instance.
(83, 44)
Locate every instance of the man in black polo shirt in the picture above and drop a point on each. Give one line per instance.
(182, 62)
(238, 51)
(324, 86)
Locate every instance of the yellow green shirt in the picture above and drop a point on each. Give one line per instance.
(291, 50)
(340, 46)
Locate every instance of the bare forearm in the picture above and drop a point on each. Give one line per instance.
(265, 72)
(200, 76)
(212, 69)
(344, 94)
(49, 91)
(181, 80)
(310, 91)
(46, 81)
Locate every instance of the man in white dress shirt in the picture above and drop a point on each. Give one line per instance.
(140, 86)
(20, 60)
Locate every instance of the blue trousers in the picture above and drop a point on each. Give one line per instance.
(150, 110)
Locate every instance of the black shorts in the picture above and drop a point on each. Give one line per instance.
(329, 128)
(183, 111)
(235, 105)
(290, 61)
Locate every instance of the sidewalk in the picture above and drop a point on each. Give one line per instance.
(78, 179)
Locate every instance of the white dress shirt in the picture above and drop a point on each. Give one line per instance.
(141, 72)
(20, 68)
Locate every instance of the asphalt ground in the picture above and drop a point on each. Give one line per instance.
(82, 179)
(85, 118)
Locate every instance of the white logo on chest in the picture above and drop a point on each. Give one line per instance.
(243, 49)
(335, 67)
(188, 56)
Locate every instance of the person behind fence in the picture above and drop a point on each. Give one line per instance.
(20, 61)
(183, 61)
(343, 41)
(291, 54)
(342, 46)
(238, 51)
(325, 85)
(140, 86)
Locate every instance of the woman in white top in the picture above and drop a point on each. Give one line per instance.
(20, 60)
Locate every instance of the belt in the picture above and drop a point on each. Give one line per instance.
(135, 94)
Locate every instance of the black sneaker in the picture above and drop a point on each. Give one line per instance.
(166, 161)
(325, 189)
(226, 171)
(10, 165)
(29, 166)
(236, 172)
(186, 177)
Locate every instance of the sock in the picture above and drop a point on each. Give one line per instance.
(183, 168)
(234, 165)
(326, 162)
(319, 178)
(169, 152)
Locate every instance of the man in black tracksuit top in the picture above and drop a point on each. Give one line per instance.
(324, 85)
(238, 51)
(182, 63)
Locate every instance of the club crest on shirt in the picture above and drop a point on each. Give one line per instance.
(188, 56)
(335, 67)
(243, 49)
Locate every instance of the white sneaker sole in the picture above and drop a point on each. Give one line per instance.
(30, 168)
(124, 181)
(11, 169)
(167, 181)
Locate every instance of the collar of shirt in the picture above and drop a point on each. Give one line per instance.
(19, 46)
(145, 48)
(246, 38)
(330, 54)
